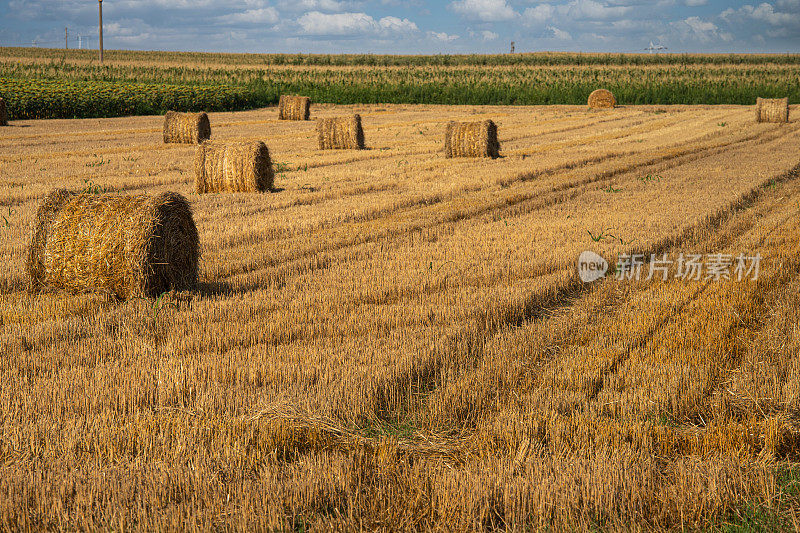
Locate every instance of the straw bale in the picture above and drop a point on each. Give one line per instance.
(233, 167)
(124, 245)
(340, 133)
(602, 99)
(471, 139)
(294, 107)
(186, 128)
(772, 110)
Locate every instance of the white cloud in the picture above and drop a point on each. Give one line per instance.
(573, 10)
(131, 32)
(484, 10)
(540, 13)
(313, 5)
(402, 3)
(766, 13)
(442, 37)
(695, 3)
(487, 35)
(779, 24)
(116, 29)
(561, 35)
(352, 24)
(221, 5)
(316, 23)
(589, 9)
(267, 15)
(697, 29)
(598, 37)
(396, 25)
(700, 26)
(630, 25)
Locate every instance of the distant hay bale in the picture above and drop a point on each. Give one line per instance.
(471, 139)
(3, 113)
(340, 133)
(772, 110)
(602, 99)
(233, 167)
(124, 245)
(294, 107)
(187, 128)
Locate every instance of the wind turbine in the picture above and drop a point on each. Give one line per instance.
(653, 48)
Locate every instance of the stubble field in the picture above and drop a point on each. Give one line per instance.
(392, 339)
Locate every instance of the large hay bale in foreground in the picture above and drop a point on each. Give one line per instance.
(294, 107)
(3, 113)
(124, 245)
(772, 110)
(340, 133)
(233, 167)
(471, 139)
(187, 128)
(602, 99)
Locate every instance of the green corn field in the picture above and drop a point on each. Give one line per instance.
(39, 83)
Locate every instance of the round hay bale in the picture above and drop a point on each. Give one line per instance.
(3, 113)
(772, 110)
(471, 139)
(340, 133)
(233, 167)
(292, 107)
(602, 99)
(128, 246)
(186, 128)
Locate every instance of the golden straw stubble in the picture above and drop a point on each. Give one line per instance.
(602, 99)
(772, 110)
(186, 128)
(340, 133)
(233, 167)
(471, 139)
(292, 107)
(129, 246)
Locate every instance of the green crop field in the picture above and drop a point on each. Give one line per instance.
(218, 82)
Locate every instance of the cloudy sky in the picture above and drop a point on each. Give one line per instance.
(408, 26)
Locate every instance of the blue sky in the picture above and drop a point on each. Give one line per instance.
(408, 26)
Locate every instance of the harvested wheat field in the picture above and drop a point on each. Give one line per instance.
(392, 339)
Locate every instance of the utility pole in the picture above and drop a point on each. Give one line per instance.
(100, 3)
(66, 40)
